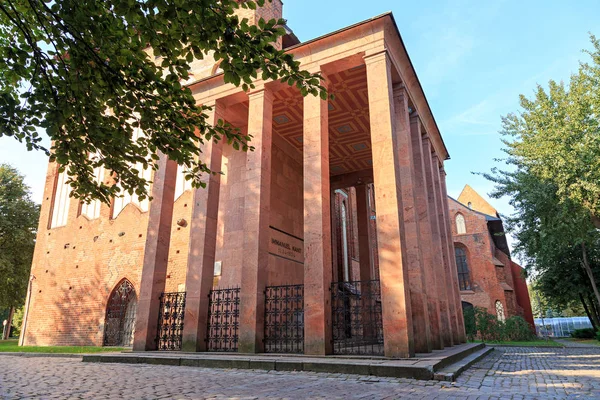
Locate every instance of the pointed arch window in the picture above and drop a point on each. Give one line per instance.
(92, 210)
(464, 277)
(121, 202)
(500, 311)
(61, 202)
(460, 224)
(181, 184)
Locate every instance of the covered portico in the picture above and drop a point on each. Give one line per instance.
(377, 133)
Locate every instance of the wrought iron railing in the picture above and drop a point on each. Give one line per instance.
(223, 319)
(284, 319)
(356, 315)
(170, 321)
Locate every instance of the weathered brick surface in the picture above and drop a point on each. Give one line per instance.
(77, 266)
(489, 282)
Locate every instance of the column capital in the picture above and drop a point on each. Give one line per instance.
(259, 92)
(377, 55)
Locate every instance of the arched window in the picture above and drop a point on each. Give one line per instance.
(464, 278)
(345, 242)
(126, 197)
(500, 311)
(60, 205)
(470, 205)
(119, 324)
(92, 210)
(460, 224)
(182, 184)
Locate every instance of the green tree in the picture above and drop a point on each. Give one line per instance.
(91, 72)
(18, 223)
(556, 135)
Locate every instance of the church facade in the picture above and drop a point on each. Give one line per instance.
(488, 277)
(332, 237)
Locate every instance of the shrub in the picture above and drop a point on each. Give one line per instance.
(479, 323)
(488, 326)
(517, 329)
(598, 335)
(470, 325)
(587, 333)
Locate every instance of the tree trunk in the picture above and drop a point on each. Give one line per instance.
(6, 330)
(594, 309)
(591, 314)
(586, 266)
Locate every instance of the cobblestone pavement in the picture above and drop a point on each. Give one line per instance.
(507, 373)
(569, 343)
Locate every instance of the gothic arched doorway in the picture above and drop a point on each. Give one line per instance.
(119, 324)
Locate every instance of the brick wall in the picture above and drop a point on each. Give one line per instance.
(77, 266)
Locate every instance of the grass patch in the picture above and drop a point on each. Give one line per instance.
(12, 346)
(583, 341)
(529, 343)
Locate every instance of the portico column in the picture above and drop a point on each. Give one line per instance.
(256, 222)
(317, 228)
(393, 261)
(453, 295)
(438, 260)
(459, 312)
(364, 241)
(449, 281)
(418, 293)
(202, 243)
(156, 255)
(425, 237)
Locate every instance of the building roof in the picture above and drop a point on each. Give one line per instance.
(469, 196)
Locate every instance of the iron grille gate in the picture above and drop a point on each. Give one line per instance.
(284, 319)
(223, 319)
(120, 316)
(170, 321)
(357, 322)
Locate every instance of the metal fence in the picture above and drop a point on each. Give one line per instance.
(560, 327)
(357, 320)
(284, 319)
(223, 319)
(170, 321)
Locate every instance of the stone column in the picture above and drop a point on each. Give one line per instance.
(202, 243)
(317, 228)
(364, 241)
(437, 249)
(425, 237)
(418, 293)
(459, 312)
(454, 294)
(393, 261)
(257, 200)
(449, 281)
(156, 255)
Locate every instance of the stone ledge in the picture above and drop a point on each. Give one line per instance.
(451, 372)
(422, 367)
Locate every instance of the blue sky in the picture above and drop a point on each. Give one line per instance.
(473, 59)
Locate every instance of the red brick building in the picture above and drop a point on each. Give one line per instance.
(488, 278)
(333, 236)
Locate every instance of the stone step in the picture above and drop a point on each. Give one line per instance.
(424, 366)
(452, 371)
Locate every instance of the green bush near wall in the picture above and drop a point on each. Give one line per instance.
(480, 324)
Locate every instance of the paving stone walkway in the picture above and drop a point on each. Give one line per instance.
(569, 343)
(507, 373)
